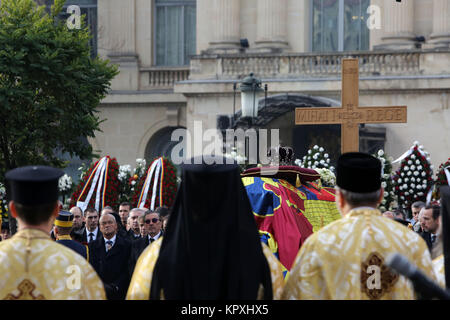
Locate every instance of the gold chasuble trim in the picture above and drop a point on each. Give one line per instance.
(26, 288)
(376, 278)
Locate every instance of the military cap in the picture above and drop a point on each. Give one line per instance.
(358, 172)
(64, 219)
(33, 185)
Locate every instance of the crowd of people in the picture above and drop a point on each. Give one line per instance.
(210, 248)
(112, 241)
(425, 220)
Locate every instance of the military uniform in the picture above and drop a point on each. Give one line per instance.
(65, 220)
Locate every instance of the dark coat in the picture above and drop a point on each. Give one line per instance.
(137, 247)
(84, 237)
(112, 266)
(122, 232)
(131, 236)
(75, 246)
(427, 237)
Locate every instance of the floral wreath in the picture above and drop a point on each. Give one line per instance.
(413, 180)
(110, 195)
(387, 183)
(166, 189)
(441, 177)
(315, 158)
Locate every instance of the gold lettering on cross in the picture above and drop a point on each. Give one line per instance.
(350, 115)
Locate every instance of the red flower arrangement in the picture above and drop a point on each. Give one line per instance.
(441, 177)
(112, 186)
(169, 186)
(413, 180)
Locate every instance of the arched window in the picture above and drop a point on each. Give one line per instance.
(339, 25)
(175, 32)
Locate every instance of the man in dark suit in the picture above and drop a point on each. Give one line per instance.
(92, 231)
(429, 216)
(423, 232)
(153, 228)
(110, 255)
(135, 233)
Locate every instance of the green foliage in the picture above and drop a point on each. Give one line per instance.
(49, 86)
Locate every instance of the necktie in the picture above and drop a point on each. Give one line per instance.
(108, 245)
(151, 240)
(91, 236)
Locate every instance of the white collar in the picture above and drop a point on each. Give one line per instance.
(155, 237)
(94, 232)
(113, 239)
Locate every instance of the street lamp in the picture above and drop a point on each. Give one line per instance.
(251, 92)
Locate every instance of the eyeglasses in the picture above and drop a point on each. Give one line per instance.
(154, 220)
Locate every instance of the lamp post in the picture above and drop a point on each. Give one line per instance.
(251, 91)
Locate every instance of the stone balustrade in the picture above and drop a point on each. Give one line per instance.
(295, 66)
(316, 65)
(162, 77)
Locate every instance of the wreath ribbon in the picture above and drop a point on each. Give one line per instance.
(408, 153)
(447, 174)
(156, 167)
(430, 193)
(98, 173)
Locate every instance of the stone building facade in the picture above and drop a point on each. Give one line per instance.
(179, 60)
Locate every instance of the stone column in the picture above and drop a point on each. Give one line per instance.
(440, 38)
(227, 31)
(399, 25)
(271, 27)
(117, 40)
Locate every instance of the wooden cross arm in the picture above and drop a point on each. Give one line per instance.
(396, 114)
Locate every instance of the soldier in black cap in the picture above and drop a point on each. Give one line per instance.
(345, 259)
(63, 228)
(31, 264)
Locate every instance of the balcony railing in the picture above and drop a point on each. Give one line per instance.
(163, 77)
(297, 65)
(320, 65)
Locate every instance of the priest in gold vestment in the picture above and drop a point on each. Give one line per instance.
(142, 277)
(345, 259)
(211, 249)
(32, 265)
(439, 270)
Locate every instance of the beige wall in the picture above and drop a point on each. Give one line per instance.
(423, 17)
(129, 127)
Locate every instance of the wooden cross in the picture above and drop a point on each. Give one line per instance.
(350, 115)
